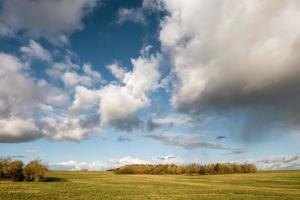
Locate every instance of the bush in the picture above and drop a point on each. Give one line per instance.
(16, 170)
(11, 169)
(35, 171)
(4, 167)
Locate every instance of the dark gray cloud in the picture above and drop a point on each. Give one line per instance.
(190, 142)
(221, 137)
(47, 19)
(16, 130)
(151, 125)
(123, 139)
(228, 63)
(128, 124)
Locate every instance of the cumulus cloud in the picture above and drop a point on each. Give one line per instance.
(230, 56)
(116, 70)
(119, 103)
(114, 163)
(52, 20)
(87, 69)
(18, 130)
(61, 127)
(73, 79)
(19, 92)
(28, 107)
(83, 99)
(73, 74)
(35, 50)
(192, 141)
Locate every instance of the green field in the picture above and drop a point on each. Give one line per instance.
(106, 185)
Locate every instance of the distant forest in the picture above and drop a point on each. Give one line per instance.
(192, 169)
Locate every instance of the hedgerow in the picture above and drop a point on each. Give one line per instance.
(192, 169)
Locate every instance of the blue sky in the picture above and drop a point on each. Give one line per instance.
(95, 84)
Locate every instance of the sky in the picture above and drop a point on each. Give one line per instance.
(96, 84)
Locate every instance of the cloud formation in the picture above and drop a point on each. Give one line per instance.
(53, 20)
(231, 56)
(28, 105)
(192, 141)
(130, 14)
(35, 50)
(139, 14)
(287, 162)
(77, 108)
(18, 129)
(119, 103)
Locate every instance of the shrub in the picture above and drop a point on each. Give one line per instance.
(35, 171)
(4, 167)
(11, 169)
(16, 170)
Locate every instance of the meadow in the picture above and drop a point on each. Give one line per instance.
(84, 185)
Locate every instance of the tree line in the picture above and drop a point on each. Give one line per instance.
(16, 170)
(192, 169)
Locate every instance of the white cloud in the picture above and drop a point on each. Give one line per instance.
(133, 14)
(117, 71)
(154, 5)
(9, 64)
(122, 102)
(138, 15)
(59, 68)
(87, 69)
(35, 50)
(72, 79)
(46, 108)
(21, 97)
(65, 127)
(179, 120)
(17, 89)
(72, 74)
(118, 103)
(287, 162)
(52, 20)
(84, 99)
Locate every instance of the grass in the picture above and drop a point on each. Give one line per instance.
(67, 185)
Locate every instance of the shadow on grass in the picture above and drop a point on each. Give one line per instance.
(55, 179)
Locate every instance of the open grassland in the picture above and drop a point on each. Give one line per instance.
(107, 185)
